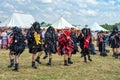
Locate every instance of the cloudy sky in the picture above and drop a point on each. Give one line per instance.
(74, 11)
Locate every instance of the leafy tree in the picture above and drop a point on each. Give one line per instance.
(86, 25)
(107, 26)
(43, 24)
(48, 24)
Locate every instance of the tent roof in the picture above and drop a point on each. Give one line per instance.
(96, 27)
(20, 20)
(61, 24)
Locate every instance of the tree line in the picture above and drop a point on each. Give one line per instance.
(110, 27)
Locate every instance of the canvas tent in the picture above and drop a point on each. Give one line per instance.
(20, 20)
(61, 24)
(96, 27)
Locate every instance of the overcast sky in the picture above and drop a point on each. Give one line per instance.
(74, 11)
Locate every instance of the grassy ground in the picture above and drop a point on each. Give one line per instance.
(101, 68)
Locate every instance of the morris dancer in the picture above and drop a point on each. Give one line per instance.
(75, 47)
(50, 43)
(35, 43)
(65, 46)
(86, 42)
(115, 41)
(16, 48)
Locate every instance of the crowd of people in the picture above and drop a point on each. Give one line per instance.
(51, 41)
(5, 37)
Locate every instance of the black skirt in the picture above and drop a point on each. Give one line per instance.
(17, 48)
(51, 48)
(33, 49)
(75, 48)
(102, 47)
(114, 45)
(115, 42)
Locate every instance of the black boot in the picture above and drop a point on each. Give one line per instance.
(11, 63)
(69, 61)
(38, 60)
(33, 65)
(101, 54)
(82, 53)
(46, 55)
(65, 63)
(85, 59)
(89, 58)
(105, 54)
(16, 67)
(49, 62)
(116, 56)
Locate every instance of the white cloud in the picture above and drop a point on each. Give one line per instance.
(83, 5)
(31, 8)
(112, 2)
(1, 12)
(49, 9)
(92, 12)
(10, 6)
(23, 2)
(91, 1)
(84, 12)
(20, 0)
(67, 13)
(3, 16)
(107, 5)
(108, 17)
(19, 11)
(76, 11)
(88, 1)
(46, 1)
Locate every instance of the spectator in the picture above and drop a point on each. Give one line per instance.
(4, 39)
(0, 40)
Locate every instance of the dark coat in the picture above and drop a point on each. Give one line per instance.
(18, 43)
(64, 45)
(74, 39)
(115, 41)
(50, 42)
(33, 47)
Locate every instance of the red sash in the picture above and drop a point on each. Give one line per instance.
(86, 41)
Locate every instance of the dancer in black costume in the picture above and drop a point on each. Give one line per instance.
(50, 43)
(34, 38)
(74, 43)
(115, 41)
(16, 48)
(84, 39)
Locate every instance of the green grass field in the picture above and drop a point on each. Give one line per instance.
(101, 68)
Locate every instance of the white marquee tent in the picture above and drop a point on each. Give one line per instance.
(61, 24)
(96, 27)
(20, 20)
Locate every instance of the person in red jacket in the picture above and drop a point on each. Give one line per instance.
(86, 42)
(65, 45)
